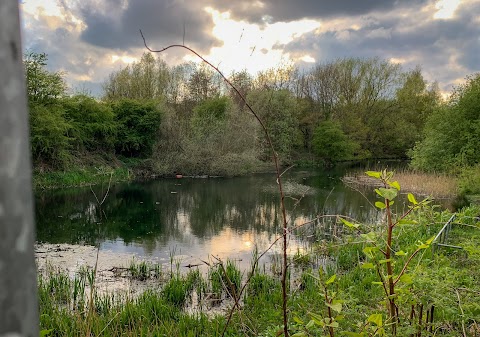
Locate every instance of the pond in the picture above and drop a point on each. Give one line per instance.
(198, 218)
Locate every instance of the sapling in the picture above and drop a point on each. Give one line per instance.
(380, 253)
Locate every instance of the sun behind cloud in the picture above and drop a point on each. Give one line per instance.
(446, 8)
(251, 46)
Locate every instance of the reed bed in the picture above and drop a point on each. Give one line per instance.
(436, 185)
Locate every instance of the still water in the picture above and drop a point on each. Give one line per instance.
(197, 217)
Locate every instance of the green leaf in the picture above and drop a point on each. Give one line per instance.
(299, 334)
(429, 241)
(370, 236)
(412, 199)
(298, 320)
(44, 333)
(400, 253)
(349, 224)
(378, 283)
(406, 278)
(385, 261)
(317, 319)
(369, 251)
(336, 305)
(310, 324)
(388, 193)
(379, 192)
(374, 174)
(375, 319)
(368, 265)
(395, 185)
(333, 324)
(380, 205)
(331, 279)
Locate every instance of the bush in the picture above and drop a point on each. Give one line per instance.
(137, 126)
(331, 144)
(48, 135)
(93, 125)
(469, 182)
(451, 133)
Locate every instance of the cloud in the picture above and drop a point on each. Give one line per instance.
(287, 10)
(446, 49)
(88, 39)
(163, 22)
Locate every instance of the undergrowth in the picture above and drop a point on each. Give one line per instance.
(449, 280)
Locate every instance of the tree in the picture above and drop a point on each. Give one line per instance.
(277, 110)
(202, 84)
(49, 130)
(93, 127)
(18, 286)
(147, 79)
(48, 127)
(43, 87)
(331, 144)
(451, 137)
(137, 126)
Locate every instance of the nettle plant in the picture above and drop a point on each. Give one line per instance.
(389, 261)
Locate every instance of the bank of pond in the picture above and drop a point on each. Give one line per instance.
(200, 257)
(439, 297)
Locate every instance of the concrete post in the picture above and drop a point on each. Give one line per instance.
(18, 284)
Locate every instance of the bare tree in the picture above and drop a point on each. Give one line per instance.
(18, 288)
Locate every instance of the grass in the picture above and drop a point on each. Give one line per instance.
(80, 177)
(449, 280)
(436, 185)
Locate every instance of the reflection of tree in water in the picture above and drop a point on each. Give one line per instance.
(151, 215)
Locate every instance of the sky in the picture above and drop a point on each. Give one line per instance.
(89, 39)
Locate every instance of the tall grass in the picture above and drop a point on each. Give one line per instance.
(436, 185)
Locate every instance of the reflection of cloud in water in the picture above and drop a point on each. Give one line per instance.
(183, 222)
(230, 243)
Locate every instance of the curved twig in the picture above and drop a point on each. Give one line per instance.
(277, 170)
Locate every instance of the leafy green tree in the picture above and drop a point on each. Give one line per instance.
(93, 125)
(331, 144)
(209, 116)
(452, 132)
(43, 86)
(146, 79)
(137, 126)
(277, 110)
(49, 135)
(49, 129)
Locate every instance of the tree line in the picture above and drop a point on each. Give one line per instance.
(183, 118)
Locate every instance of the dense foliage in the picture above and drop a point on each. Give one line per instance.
(185, 119)
(451, 141)
(71, 130)
(452, 132)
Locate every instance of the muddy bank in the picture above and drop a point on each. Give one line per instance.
(112, 267)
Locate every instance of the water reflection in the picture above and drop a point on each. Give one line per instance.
(196, 217)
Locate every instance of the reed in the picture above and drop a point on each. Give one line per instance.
(437, 185)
